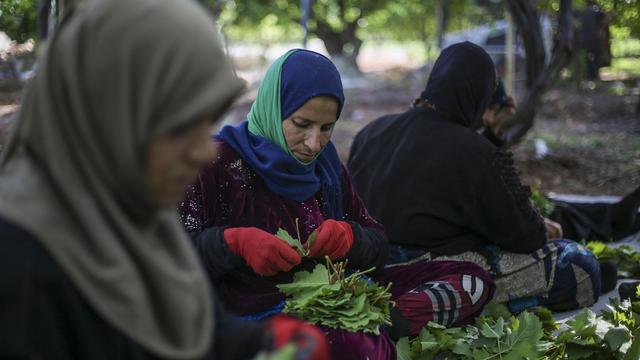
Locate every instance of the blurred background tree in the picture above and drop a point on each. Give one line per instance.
(18, 19)
(344, 26)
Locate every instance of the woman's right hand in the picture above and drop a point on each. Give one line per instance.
(554, 230)
(265, 253)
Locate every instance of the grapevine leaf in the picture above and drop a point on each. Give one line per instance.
(308, 285)
(524, 337)
(543, 203)
(576, 351)
(294, 243)
(495, 310)
(616, 337)
(403, 349)
(633, 353)
(493, 332)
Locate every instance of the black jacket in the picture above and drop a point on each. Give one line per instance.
(436, 184)
(43, 316)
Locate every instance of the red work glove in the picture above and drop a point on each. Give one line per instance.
(333, 238)
(264, 253)
(310, 342)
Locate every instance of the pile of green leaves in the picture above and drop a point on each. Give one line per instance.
(624, 313)
(543, 203)
(532, 335)
(627, 259)
(327, 297)
(591, 336)
(501, 337)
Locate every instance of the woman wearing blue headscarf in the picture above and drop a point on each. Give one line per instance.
(279, 170)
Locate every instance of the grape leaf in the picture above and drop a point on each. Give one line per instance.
(295, 243)
(616, 337)
(543, 203)
(524, 337)
(633, 353)
(403, 349)
(495, 310)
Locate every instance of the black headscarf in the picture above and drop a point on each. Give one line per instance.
(435, 183)
(461, 83)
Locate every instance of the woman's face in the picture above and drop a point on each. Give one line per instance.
(174, 160)
(309, 128)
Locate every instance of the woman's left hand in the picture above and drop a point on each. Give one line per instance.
(333, 238)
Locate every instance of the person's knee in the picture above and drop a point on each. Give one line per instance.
(572, 254)
(578, 265)
(453, 301)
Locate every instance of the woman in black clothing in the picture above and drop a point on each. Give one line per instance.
(445, 192)
(597, 221)
(93, 261)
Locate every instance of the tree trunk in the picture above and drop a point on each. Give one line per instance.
(539, 76)
(343, 46)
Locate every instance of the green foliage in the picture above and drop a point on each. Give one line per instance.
(435, 339)
(544, 205)
(514, 338)
(495, 310)
(624, 13)
(549, 324)
(623, 313)
(409, 20)
(531, 335)
(18, 19)
(377, 20)
(326, 297)
(629, 66)
(261, 21)
(622, 43)
(627, 259)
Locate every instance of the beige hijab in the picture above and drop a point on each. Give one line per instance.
(117, 74)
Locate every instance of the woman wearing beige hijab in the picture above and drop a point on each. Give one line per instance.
(93, 262)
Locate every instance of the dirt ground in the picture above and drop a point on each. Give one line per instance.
(593, 135)
(594, 138)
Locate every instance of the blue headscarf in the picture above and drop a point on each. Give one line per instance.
(290, 82)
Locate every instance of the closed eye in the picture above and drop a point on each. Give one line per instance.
(300, 124)
(328, 127)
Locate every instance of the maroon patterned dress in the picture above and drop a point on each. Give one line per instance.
(230, 194)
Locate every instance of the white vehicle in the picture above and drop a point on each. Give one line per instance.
(492, 37)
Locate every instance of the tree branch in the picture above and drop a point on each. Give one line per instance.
(539, 77)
